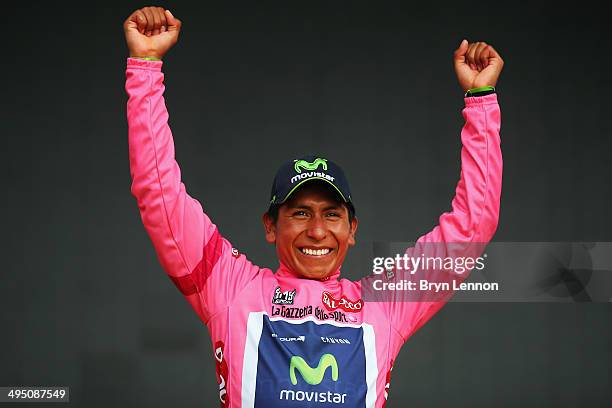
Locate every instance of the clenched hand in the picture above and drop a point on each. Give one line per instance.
(477, 64)
(151, 32)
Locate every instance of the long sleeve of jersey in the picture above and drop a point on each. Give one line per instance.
(472, 221)
(201, 263)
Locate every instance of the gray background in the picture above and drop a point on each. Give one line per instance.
(84, 300)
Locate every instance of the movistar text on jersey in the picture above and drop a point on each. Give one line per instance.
(322, 397)
(424, 263)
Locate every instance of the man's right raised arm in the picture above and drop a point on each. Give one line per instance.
(188, 244)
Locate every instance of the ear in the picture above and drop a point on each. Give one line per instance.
(270, 228)
(353, 231)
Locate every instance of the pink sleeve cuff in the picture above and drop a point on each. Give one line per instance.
(144, 64)
(490, 99)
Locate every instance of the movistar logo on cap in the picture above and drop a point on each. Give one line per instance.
(313, 376)
(311, 174)
(303, 164)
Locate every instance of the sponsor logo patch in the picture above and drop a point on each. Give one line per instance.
(303, 164)
(336, 315)
(296, 338)
(221, 371)
(310, 174)
(388, 383)
(313, 376)
(283, 298)
(335, 340)
(291, 312)
(343, 303)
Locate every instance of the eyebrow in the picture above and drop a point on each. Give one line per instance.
(307, 207)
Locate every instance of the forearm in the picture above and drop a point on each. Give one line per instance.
(475, 207)
(174, 221)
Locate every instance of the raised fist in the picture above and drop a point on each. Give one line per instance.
(477, 64)
(151, 32)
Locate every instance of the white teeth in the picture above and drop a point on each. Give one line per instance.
(315, 252)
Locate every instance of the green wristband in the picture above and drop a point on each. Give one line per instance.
(472, 91)
(148, 58)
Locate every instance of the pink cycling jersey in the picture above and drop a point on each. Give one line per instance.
(280, 340)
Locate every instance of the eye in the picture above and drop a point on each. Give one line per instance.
(299, 213)
(332, 214)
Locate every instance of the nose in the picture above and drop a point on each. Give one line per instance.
(317, 230)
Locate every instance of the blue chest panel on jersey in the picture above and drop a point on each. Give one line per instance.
(310, 365)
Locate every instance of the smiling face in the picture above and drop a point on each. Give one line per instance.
(312, 232)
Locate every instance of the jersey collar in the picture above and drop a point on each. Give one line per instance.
(284, 271)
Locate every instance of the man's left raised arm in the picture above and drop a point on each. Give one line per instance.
(472, 221)
(475, 207)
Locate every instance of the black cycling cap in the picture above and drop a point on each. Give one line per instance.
(296, 172)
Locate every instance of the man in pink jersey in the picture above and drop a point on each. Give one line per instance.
(299, 336)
